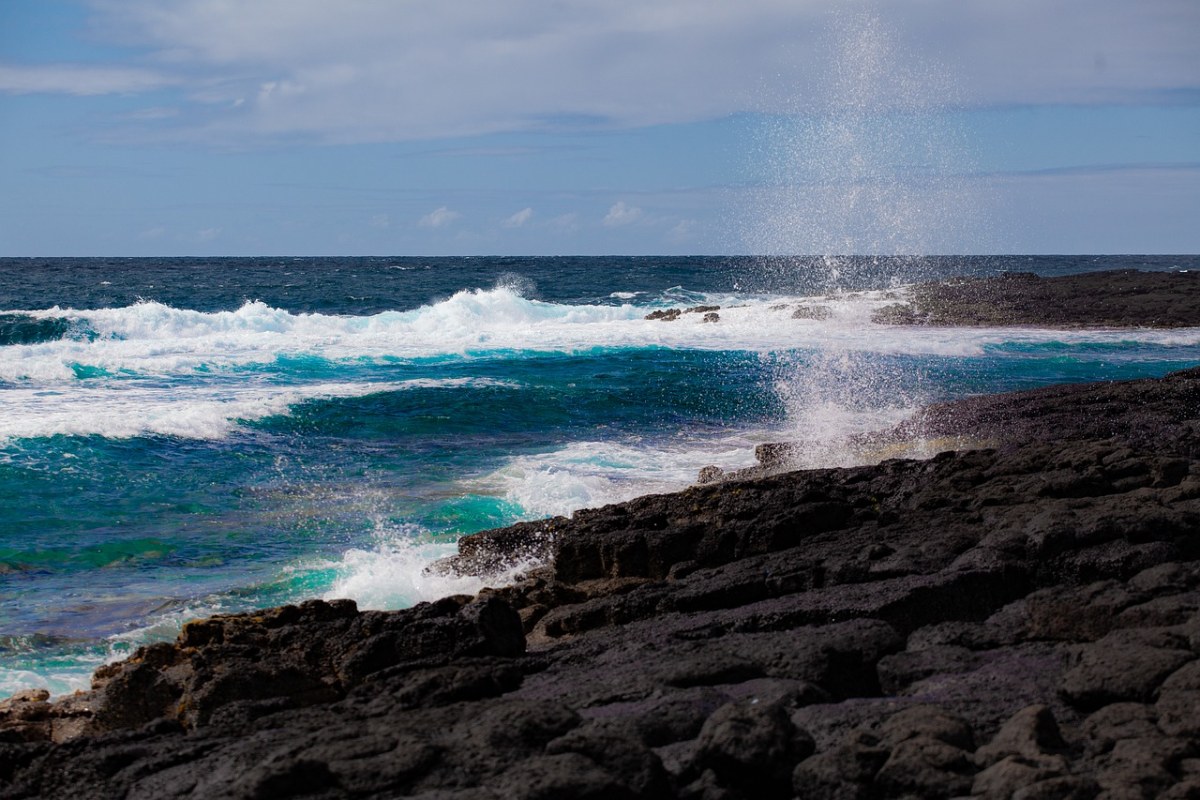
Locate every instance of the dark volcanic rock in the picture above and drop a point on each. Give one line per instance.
(1117, 299)
(1016, 621)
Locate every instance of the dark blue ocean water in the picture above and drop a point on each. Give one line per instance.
(180, 437)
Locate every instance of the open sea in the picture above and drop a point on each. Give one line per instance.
(182, 437)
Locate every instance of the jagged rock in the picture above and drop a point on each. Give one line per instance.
(773, 454)
(926, 767)
(1011, 773)
(1068, 787)
(899, 614)
(1076, 613)
(1178, 712)
(844, 772)
(812, 312)
(752, 747)
(1032, 733)
(928, 722)
(1144, 767)
(899, 671)
(1125, 665)
(1118, 298)
(638, 767)
(292, 656)
(556, 776)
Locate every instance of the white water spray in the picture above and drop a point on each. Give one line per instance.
(874, 168)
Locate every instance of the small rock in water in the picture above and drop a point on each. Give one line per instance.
(712, 316)
(774, 454)
(665, 314)
(811, 312)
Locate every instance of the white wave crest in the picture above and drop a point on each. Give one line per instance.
(151, 339)
(394, 572)
(595, 473)
(190, 412)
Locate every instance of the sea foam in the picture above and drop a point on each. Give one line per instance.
(151, 339)
(149, 369)
(186, 411)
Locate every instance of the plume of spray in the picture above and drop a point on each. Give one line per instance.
(859, 185)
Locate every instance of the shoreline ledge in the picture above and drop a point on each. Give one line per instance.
(1107, 299)
(1018, 618)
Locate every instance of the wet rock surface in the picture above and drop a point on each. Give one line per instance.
(1016, 621)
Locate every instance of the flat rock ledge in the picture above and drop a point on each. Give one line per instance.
(1020, 621)
(1113, 299)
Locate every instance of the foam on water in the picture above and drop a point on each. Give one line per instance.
(64, 678)
(128, 409)
(394, 572)
(152, 340)
(588, 474)
(113, 385)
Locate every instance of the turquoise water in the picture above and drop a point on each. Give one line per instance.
(181, 437)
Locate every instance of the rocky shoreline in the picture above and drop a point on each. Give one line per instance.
(1015, 620)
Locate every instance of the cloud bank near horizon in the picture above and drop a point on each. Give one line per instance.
(363, 71)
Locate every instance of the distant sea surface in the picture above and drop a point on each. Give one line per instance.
(183, 437)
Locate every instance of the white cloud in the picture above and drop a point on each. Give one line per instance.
(621, 214)
(520, 218)
(438, 218)
(364, 70)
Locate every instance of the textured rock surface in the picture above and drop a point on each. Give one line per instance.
(1018, 621)
(1123, 298)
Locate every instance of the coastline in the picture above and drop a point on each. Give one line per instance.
(1022, 615)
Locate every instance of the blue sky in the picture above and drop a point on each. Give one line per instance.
(293, 127)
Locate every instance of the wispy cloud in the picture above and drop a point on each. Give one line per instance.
(519, 219)
(362, 70)
(621, 214)
(80, 79)
(438, 218)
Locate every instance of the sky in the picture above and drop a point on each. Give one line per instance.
(553, 127)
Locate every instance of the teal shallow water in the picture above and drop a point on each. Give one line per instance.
(182, 438)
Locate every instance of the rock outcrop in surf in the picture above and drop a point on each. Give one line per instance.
(1114, 299)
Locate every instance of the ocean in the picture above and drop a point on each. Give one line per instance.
(183, 437)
